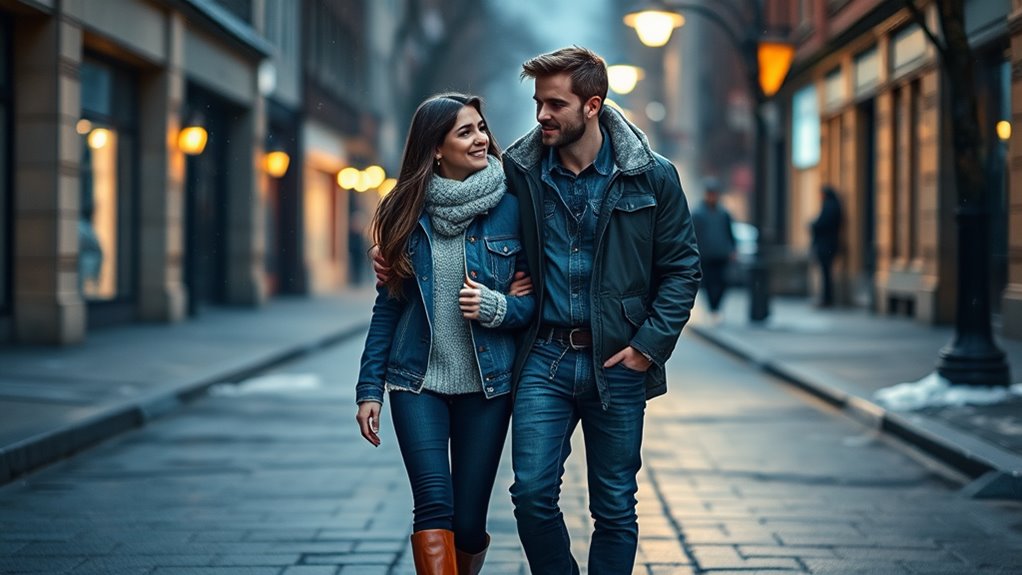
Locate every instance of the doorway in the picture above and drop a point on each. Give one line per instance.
(865, 293)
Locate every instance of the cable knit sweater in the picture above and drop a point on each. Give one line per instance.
(452, 205)
(452, 367)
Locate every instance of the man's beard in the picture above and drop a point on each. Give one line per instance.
(569, 133)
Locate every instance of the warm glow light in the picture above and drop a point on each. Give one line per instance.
(192, 140)
(83, 127)
(348, 178)
(99, 138)
(277, 163)
(376, 175)
(387, 186)
(774, 63)
(363, 182)
(623, 78)
(654, 26)
(1004, 130)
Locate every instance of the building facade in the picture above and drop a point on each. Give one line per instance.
(866, 111)
(104, 217)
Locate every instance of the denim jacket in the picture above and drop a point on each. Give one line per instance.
(399, 343)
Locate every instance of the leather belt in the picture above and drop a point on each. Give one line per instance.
(575, 338)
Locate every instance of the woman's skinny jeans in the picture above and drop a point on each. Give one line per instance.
(451, 491)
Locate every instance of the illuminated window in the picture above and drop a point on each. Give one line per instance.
(105, 245)
(805, 118)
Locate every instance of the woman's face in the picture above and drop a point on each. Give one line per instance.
(463, 151)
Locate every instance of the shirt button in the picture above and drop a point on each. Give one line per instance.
(575, 249)
(505, 249)
(489, 389)
(472, 240)
(474, 274)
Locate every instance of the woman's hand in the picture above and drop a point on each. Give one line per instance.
(522, 285)
(379, 266)
(368, 419)
(470, 299)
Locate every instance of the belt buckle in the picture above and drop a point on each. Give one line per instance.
(571, 339)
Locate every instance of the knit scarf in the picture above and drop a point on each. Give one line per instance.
(453, 204)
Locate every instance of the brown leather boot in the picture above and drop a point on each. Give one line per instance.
(433, 550)
(469, 564)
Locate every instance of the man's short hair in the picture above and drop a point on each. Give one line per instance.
(588, 71)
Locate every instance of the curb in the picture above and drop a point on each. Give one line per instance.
(995, 472)
(35, 452)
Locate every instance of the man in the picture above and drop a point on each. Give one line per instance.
(716, 244)
(611, 246)
(826, 240)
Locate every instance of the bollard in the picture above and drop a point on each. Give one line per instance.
(759, 290)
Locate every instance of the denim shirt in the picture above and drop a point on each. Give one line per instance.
(571, 207)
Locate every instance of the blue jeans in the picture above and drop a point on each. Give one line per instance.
(451, 492)
(556, 390)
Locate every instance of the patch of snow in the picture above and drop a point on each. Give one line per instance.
(935, 391)
(269, 384)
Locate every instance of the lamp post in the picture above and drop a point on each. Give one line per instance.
(767, 61)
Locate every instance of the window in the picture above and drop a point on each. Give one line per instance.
(805, 129)
(908, 47)
(805, 12)
(867, 71)
(835, 92)
(105, 242)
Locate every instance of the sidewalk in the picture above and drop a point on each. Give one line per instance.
(843, 356)
(56, 401)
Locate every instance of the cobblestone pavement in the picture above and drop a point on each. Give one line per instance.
(742, 475)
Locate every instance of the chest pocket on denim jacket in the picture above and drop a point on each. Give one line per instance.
(502, 258)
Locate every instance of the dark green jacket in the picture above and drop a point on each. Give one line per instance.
(646, 267)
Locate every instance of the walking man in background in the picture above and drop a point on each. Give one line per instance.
(716, 244)
(826, 240)
(609, 240)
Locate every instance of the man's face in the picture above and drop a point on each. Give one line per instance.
(559, 111)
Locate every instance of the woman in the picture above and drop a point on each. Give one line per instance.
(441, 339)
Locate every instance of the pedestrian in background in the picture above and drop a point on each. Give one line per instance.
(716, 244)
(441, 339)
(826, 241)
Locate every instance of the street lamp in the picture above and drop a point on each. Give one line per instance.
(277, 163)
(653, 26)
(623, 78)
(375, 175)
(193, 136)
(1004, 130)
(348, 178)
(386, 187)
(774, 59)
(766, 60)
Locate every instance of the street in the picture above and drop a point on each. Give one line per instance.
(742, 474)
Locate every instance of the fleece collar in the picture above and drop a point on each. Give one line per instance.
(632, 153)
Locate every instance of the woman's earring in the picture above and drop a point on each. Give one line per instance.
(438, 161)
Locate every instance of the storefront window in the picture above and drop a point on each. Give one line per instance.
(805, 118)
(104, 224)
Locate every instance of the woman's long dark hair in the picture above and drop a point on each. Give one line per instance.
(399, 212)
